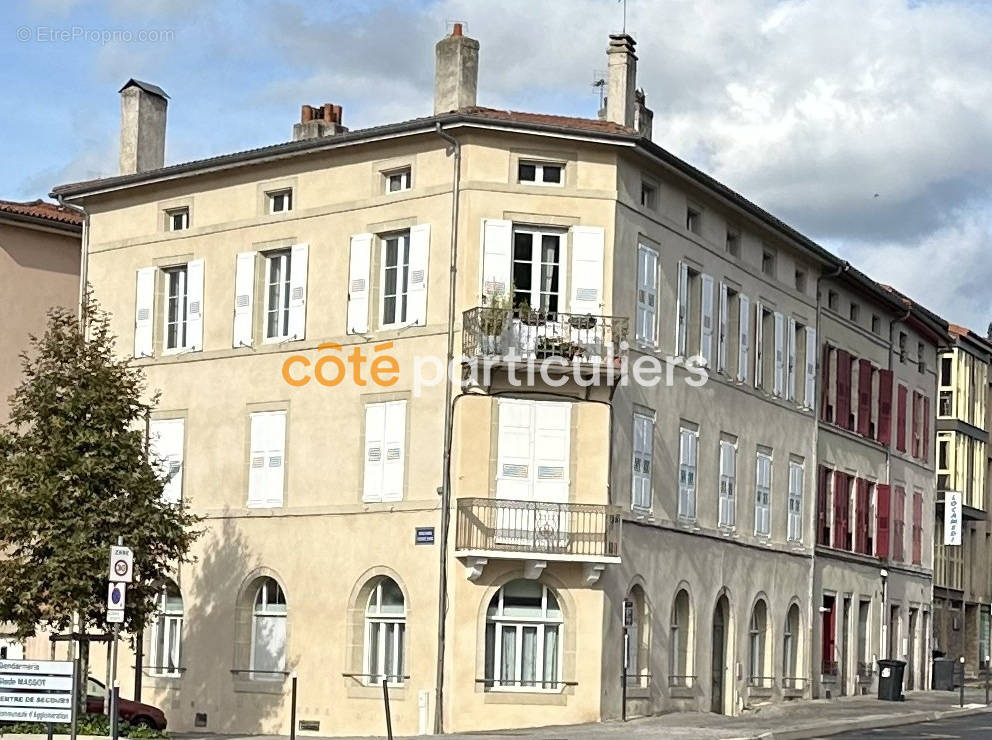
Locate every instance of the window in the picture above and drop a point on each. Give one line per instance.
(693, 217)
(790, 649)
(385, 634)
(899, 524)
(768, 262)
(763, 493)
(385, 450)
(397, 180)
(854, 312)
(533, 459)
(177, 219)
(649, 196)
(266, 475)
(728, 483)
(680, 643)
(175, 308)
(903, 340)
(795, 528)
(395, 279)
(733, 243)
(280, 201)
(540, 173)
(801, 281)
(268, 632)
(537, 269)
(921, 357)
(756, 645)
(167, 632)
(278, 275)
(696, 314)
(641, 493)
(876, 324)
(637, 668)
(166, 442)
(946, 363)
(917, 528)
(646, 329)
(524, 627)
(688, 441)
(833, 300)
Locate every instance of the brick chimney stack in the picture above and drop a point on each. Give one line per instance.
(456, 71)
(143, 108)
(318, 122)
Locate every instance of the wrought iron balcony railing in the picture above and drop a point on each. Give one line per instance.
(575, 531)
(508, 334)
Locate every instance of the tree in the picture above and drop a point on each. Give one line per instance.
(75, 474)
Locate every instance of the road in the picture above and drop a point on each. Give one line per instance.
(970, 726)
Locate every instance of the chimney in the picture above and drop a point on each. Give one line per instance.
(143, 109)
(643, 116)
(621, 79)
(456, 72)
(315, 123)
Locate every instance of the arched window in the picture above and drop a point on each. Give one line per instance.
(790, 647)
(756, 644)
(523, 637)
(268, 631)
(385, 633)
(638, 638)
(680, 642)
(167, 632)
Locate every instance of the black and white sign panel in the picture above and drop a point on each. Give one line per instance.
(35, 690)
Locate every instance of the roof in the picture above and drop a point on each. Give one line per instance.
(146, 86)
(40, 210)
(572, 122)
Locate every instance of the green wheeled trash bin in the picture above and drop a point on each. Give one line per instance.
(890, 679)
(943, 677)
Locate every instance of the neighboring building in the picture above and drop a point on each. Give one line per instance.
(575, 237)
(963, 573)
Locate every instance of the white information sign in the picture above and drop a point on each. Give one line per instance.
(18, 714)
(37, 667)
(35, 690)
(115, 616)
(121, 564)
(35, 683)
(952, 517)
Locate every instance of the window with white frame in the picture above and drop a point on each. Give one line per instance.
(266, 474)
(268, 632)
(757, 632)
(177, 219)
(385, 451)
(795, 526)
(397, 180)
(167, 632)
(524, 625)
(790, 648)
(395, 278)
(385, 634)
(166, 449)
(540, 173)
(680, 641)
(688, 442)
(641, 492)
(280, 201)
(763, 493)
(646, 328)
(278, 278)
(175, 313)
(537, 267)
(728, 483)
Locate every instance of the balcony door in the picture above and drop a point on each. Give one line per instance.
(532, 471)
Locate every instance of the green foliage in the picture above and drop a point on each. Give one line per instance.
(74, 474)
(88, 724)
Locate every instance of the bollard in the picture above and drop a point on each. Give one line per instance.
(962, 681)
(385, 699)
(292, 710)
(115, 699)
(987, 668)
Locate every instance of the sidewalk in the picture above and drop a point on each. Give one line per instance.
(802, 719)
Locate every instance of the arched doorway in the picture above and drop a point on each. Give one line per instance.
(718, 668)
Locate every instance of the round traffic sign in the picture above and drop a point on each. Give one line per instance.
(120, 567)
(117, 595)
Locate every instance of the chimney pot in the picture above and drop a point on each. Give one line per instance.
(327, 112)
(306, 113)
(456, 30)
(318, 122)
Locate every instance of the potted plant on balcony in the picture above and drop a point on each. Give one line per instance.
(582, 323)
(493, 317)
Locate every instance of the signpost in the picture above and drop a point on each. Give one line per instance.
(628, 621)
(121, 573)
(36, 690)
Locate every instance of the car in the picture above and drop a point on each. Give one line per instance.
(135, 713)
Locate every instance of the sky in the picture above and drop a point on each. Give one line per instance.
(865, 124)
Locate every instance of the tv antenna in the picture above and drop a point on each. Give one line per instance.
(599, 85)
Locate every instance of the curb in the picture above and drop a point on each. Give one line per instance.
(874, 723)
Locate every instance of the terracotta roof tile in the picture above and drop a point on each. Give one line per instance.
(544, 119)
(42, 209)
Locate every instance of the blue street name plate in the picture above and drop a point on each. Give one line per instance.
(424, 536)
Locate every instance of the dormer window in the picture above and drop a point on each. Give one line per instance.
(540, 173)
(177, 219)
(280, 201)
(398, 180)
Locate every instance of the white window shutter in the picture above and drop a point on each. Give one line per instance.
(497, 236)
(682, 317)
(394, 435)
(642, 462)
(257, 463)
(144, 310)
(706, 320)
(194, 301)
(646, 331)
(420, 244)
(514, 471)
(165, 446)
(275, 461)
(790, 367)
(724, 324)
(778, 382)
(588, 245)
(551, 443)
(809, 401)
(298, 291)
(744, 331)
(244, 299)
(375, 453)
(358, 283)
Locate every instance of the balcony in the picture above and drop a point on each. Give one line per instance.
(537, 532)
(512, 335)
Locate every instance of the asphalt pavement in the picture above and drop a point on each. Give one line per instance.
(969, 726)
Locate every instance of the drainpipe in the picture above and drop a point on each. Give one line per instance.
(454, 147)
(83, 252)
(818, 394)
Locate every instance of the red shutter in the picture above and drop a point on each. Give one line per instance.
(916, 424)
(885, 407)
(917, 529)
(842, 416)
(825, 384)
(842, 497)
(822, 522)
(899, 524)
(926, 429)
(861, 532)
(864, 398)
(882, 514)
(901, 419)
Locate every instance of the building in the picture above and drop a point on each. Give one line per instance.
(585, 547)
(963, 572)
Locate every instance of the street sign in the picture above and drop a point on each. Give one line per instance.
(424, 536)
(35, 683)
(121, 564)
(115, 616)
(952, 517)
(628, 613)
(37, 667)
(115, 595)
(35, 690)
